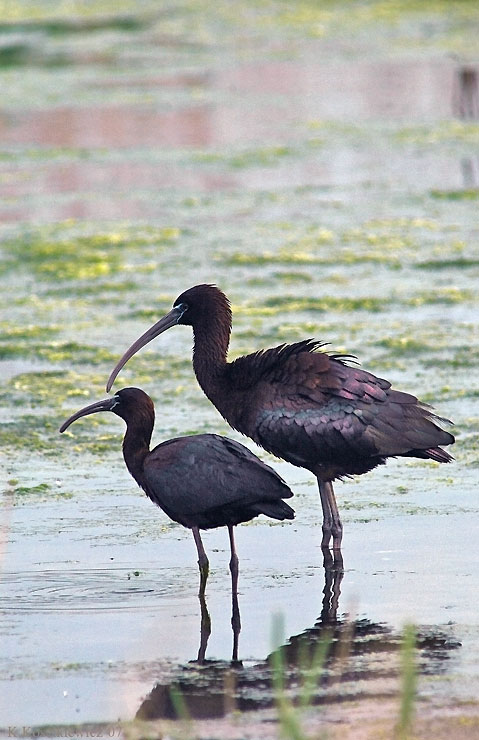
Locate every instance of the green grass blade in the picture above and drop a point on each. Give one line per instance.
(408, 682)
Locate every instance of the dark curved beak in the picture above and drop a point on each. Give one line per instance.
(108, 404)
(162, 325)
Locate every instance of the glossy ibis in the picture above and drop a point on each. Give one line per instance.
(201, 481)
(300, 402)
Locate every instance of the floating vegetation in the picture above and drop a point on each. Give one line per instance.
(393, 224)
(261, 157)
(60, 26)
(451, 131)
(293, 256)
(464, 194)
(56, 352)
(50, 388)
(31, 433)
(461, 357)
(392, 243)
(405, 345)
(29, 490)
(294, 277)
(81, 257)
(100, 288)
(325, 303)
(27, 332)
(447, 295)
(447, 264)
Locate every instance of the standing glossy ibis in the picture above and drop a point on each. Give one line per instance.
(302, 404)
(202, 481)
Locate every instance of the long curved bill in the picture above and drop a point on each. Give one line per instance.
(108, 404)
(169, 320)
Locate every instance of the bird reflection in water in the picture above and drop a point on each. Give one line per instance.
(333, 568)
(360, 658)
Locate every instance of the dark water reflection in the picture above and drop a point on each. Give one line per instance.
(361, 658)
(466, 107)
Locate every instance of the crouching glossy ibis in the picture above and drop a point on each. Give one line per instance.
(201, 481)
(300, 402)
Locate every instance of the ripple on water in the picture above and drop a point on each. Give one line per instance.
(83, 590)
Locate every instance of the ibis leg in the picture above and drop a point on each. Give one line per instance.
(203, 562)
(235, 617)
(327, 516)
(337, 526)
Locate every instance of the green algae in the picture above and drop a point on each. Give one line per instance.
(49, 388)
(81, 257)
(55, 352)
(391, 21)
(15, 54)
(29, 490)
(402, 223)
(91, 443)
(451, 132)
(294, 255)
(30, 433)
(447, 295)
(148, 314)
(48, 13)
(102, 289)
(260, 157)
(394, 243)
(47, 154)
(464, 194)
(66, 26)
(293, 277)
(447, 264)
(447, 393)
(405, 345)
(26, 333)
(38, 494)
(457, 357)
(325, 304)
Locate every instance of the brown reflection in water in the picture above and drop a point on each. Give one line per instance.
(306, 89)
(361, 659)
(254, 105)
(465, 105)
(185, 79)
(362, 89)
(466, 94)
(109, 127)
(91, 178)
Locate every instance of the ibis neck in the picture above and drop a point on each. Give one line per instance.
(210, 351)
(136, 446)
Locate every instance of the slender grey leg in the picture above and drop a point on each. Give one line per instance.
(235, 617)
(327, 516)
(202, 560)
(337, 526)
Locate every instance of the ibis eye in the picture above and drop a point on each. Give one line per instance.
(183, 307)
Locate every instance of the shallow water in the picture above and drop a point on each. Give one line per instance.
(322, 170)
